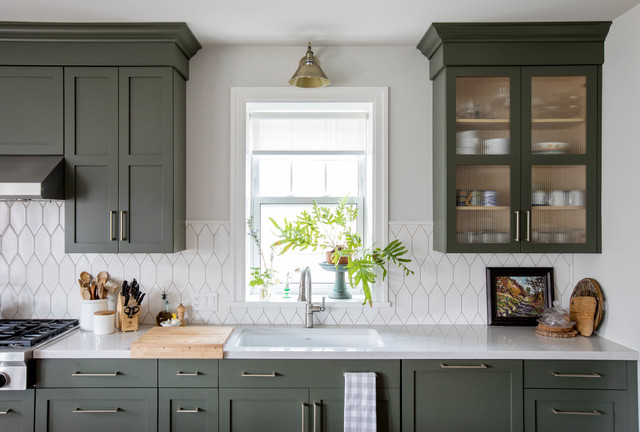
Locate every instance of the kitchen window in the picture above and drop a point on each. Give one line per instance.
(291, 147)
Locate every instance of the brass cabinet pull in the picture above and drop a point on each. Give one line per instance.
(111, 215)
(570, 375)
(528, 238)
(81, 374)
(316, 405)
(188, 411)
(480, 366)
(517, 212)
(580, 413)
(7, 411)
(122, 236)
(255, 375)
(106, 411)
(196, 373)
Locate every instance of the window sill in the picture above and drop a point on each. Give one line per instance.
(329, 303)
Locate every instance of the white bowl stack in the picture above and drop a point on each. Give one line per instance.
(496, 146)
(467, 142)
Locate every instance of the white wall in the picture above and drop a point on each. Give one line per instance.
(615, 269)
(215, 69)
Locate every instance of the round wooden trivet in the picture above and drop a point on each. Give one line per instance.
(569, 334)
(551, 329)
(588, 287)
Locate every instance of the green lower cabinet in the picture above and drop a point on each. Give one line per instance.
(462, 395)
(576, 410)
(97, 409)
(264, 409)
(17, 411)
(187, 409)
(327, 407)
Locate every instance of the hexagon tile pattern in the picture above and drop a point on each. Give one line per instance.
(38, 280)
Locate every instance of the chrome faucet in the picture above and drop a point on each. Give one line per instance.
(310, 307)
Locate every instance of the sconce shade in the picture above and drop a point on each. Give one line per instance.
(309, 74)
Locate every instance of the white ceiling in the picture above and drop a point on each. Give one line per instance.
(324, 22)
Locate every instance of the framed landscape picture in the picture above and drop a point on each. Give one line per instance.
(518, 295)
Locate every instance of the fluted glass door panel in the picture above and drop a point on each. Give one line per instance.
(483, 115)
(483, 204)
(558, 204)
(558, 115)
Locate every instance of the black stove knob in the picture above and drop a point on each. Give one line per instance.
(4, 379)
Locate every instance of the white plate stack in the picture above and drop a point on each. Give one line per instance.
(467, 142)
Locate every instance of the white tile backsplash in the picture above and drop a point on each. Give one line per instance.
(38, 280)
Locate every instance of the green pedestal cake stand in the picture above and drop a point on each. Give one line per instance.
(339, 287)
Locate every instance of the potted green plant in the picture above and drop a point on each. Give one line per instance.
(330, 230)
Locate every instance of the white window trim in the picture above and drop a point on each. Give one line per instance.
(240, 97)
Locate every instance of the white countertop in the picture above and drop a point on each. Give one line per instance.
(400, 342)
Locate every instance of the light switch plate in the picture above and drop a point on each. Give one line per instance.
(205, 302)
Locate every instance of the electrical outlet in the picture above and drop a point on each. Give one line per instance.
(205, 302)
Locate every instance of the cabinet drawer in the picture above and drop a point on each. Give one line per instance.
(576, 374)
(304, 373)
(188, 373)
(17, 410)
(575, 410)
(96, 373)
(108, 410)
(187, 409)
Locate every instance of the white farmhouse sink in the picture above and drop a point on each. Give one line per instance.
(309, 338)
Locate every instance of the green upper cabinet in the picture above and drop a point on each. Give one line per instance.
(125, 159)
(516, 136)
(111, 98)
(31, 110)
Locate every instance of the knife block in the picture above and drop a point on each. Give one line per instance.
(123, 322)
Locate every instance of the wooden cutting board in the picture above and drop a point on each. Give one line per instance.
(190, 342)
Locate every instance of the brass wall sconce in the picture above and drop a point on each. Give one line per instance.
(309, 74)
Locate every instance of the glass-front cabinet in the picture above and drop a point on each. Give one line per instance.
(525, 158)
(516, 150)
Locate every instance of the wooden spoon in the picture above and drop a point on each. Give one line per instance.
(84, 291)
(86, 295)
(103, 275)
(85, 277)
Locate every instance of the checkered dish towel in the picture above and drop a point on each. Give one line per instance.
(359, 402)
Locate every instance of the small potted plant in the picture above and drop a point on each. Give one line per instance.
(330, 230)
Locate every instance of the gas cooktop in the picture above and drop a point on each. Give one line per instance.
(29, 333)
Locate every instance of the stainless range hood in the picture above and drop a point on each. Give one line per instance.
(31, 177)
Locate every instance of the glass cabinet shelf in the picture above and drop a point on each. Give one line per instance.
(483, 208)
(557, 208)
(558, 120)
(482, 121)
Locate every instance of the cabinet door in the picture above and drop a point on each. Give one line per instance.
(146, 199)
(188, 409)
(576, 410)
(462, 395)
(561, 159)
(327, 407)
(264, 409)
(17, 410)
(31, 112)
(91, 154)
(483, 153)
(97, 409)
